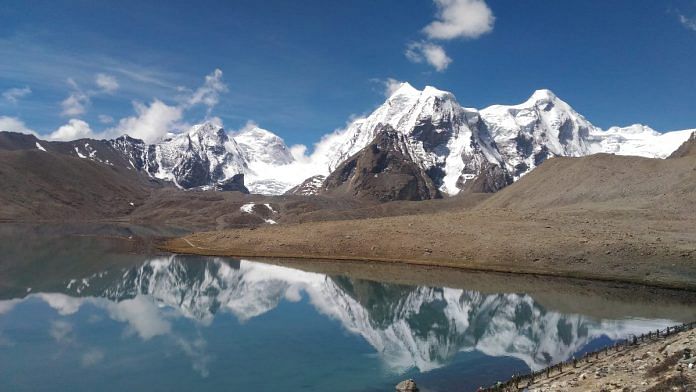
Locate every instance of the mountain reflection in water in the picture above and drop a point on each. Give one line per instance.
(409, 327)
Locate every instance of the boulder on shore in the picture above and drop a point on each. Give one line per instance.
(407, 386)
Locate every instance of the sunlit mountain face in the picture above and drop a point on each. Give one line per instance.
(217, 313)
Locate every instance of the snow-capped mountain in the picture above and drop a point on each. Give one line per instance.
(409, 326)
(641, 140)
(449, 142)
(458, 148)
(204, 155)
(262, 146)
(542, 127)
(462, 148)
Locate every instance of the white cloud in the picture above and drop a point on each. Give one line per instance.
(151, 122)
(106, 83)
(299, 152)
(429, 52)
(689, 23)
(460, 19)
(13, 124)
(209, 93)
(63, 304)
(105, 119)
(74, 129)
(14, 94)
(142, 316)
(76, 103)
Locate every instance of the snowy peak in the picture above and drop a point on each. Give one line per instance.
(406, 89)
(542, 95)
(542, 127)
(640, 140)
(202, 156)
(260, 145)
(637, 130)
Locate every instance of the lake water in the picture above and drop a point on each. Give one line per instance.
(105, 312)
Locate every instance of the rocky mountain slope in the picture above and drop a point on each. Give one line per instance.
(605, 179)
(447, 141)
(382, 171)
(686, 149)
(47, 185)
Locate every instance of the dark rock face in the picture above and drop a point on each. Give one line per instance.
(139, 155)
(13, 141)
(382, 171)
(234, 184)
(491, 179)
(686, 149)
(192, 173)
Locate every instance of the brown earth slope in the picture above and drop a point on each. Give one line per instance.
(601, 217)
(38, 185)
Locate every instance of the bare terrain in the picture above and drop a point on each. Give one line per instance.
(655, 367)
(600, 217)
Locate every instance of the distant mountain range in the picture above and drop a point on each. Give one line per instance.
(449, 148)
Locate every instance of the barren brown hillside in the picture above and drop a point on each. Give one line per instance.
(600, 217)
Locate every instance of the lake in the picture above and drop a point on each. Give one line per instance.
(98, 308)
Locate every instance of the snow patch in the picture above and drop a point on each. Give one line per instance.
(79, 154)
(247, 208)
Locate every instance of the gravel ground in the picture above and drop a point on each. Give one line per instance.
(653, 367)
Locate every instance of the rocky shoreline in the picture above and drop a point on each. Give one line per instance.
(663, 364)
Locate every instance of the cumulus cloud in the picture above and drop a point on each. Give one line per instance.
(13, 124)
(14, 94)
(142, 316)
(430, 53)
(156, 120)
(106, 83)
(151, 122)
(689, 23)
(76, 103)
(460, 19)
(74, 129)
(209, 93)
(63, 304)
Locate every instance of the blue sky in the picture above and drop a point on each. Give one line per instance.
(303, 68)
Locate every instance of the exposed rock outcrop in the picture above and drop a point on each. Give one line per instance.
(686, 149)
(382, 171)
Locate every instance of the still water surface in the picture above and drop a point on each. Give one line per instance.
(100, 313)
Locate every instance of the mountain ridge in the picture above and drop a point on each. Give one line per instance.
(460, 149)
